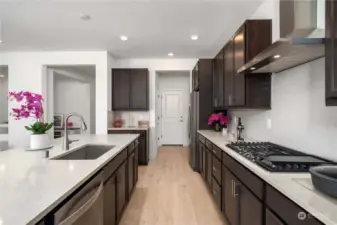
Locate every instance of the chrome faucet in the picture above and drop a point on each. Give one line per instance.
(66, 141)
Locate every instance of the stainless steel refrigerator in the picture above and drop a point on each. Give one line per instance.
(193, 128)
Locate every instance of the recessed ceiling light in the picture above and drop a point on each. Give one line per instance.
(170, 54)
(252, 68)
(2, 76)
(194, 37)
(85, 17)
(276, 56)
(124, 38)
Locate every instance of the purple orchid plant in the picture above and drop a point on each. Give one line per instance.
(218, 121)
(30, 107)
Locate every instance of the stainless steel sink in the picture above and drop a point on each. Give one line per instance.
(87, 152)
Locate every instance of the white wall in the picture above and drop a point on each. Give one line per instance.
(176, 81)
(3, 95)
(28, 71)
(300, 119)
(269, 9)
(72, 96)
(155, 65)
(75, 73)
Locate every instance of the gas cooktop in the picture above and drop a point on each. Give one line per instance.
(276, 158)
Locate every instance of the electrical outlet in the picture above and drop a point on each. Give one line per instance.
(269, 123)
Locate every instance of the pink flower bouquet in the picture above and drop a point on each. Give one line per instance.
(218, 121)
(30, 107)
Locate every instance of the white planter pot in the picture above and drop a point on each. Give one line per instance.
(39, 141)
(224, 132)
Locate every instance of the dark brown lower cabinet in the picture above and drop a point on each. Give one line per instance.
(209, 167)
(204, 160)
(121, 189)
(131, 171)
(231, 203)
(244, 198)
(136, 164)
(144, 140)
(271, 219)
(216, 191)
(250, 207)
(110, 201)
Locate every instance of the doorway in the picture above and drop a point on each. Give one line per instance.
(4, 108)
(172, 104)
(71, 89)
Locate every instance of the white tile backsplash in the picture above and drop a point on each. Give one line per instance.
(129, 118)
(299, 118)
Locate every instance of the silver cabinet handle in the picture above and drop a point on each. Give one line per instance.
(214, 151)
(214, 169)
(235, 194)
(214, 192)
(232, 188)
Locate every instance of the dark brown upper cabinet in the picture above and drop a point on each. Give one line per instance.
(239, 89)
(331, 53)
(195, 77)
(218, 80)
(130, 89)
(229, 74)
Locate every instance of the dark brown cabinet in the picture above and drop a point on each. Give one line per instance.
(218, 80)
(202, 76)
(271, 219)
(195, 77)
(251, 209)
(230, 198)
(242, 90)
(109, 204)
(135, 173)
(120, 89)
(209, 167)
(229, 74)
(143, 146)
(131, 171)
(331, 53)
(121, 189)
(243, 197)
(130, 89)
(239, 41)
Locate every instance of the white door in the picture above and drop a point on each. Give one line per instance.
(172, 117)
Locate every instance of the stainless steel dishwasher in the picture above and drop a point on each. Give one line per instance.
(78, 199)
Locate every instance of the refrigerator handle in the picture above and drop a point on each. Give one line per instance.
(190, 122)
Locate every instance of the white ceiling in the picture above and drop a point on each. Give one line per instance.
(154, 27)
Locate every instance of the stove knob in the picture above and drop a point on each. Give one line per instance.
(288, 167)
(296, 166)
(304, 167)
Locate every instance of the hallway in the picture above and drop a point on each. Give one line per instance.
(169, 192)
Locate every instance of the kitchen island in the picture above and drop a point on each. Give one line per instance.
(31, 186)
(276, 198)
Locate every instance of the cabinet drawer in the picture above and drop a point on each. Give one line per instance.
(209, 144)
(254, 183)
(216, 192)
(131, 147)
(111, 167)
(216, 170)
(202, 139)
(288, 210)
(217, 151)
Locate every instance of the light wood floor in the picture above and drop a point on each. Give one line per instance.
(169, 192)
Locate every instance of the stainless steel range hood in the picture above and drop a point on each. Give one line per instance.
(302, 34)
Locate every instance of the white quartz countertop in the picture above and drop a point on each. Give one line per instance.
(128, 128)
(296, 186)
(31, 185)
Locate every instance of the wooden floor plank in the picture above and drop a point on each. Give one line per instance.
(169, 192)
